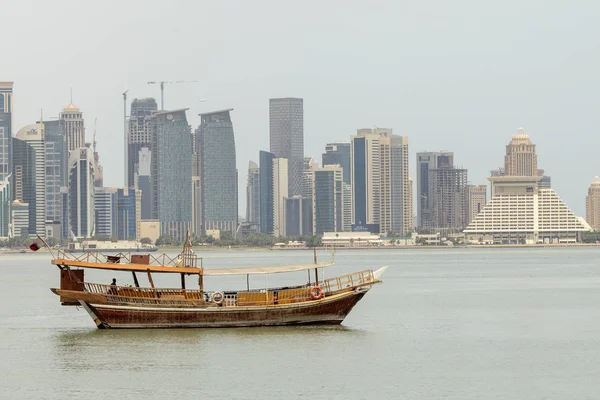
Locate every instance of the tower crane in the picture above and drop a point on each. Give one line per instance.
(162, 89)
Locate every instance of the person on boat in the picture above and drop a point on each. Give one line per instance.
(113, 290)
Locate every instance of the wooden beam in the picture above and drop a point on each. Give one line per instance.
(182, 280)
(150, 279)
(137, 284)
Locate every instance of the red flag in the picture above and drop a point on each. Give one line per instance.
(34, 246)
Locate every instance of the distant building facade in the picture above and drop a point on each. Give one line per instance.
(72, 120)
(253, 194)
(520, 158)
(280, 193)
(449, 195)
(81, 194)
(6, 109)
(380, 182)
(139, 137)
(219, 176)
(56, 171)
(286, 133)
(298, 216)
(29, 171)
(477, 200)
(426, 161)
(328, 199)
(171, 172)
(266, 191)
(592, 204)
(338, 153)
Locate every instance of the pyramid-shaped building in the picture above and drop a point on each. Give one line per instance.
(520, 211)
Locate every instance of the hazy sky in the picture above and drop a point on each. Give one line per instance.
(457, 75)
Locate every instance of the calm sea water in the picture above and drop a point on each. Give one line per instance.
(445, 324)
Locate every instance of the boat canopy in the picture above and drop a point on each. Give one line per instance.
(275, 269)
(188, 270)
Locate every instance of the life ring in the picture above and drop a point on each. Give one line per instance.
(316, 293)
(217, 297)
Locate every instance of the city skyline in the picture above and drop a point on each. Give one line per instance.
(448, 90)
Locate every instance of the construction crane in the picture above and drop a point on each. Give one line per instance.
(126, 139)
(162, 89)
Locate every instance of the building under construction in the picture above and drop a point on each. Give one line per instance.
(449, 198)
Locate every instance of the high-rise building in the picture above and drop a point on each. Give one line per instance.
(73, 123)
(477, 200)
(253, 194)
(139, 136)
(6, 109)
(364, 176)
(520, 158)
(338, 153)
(592, 204)
(520, 212)
(5, 209)
(546, 181)
(129, 213)
(347, 211)
(266, 191)
(286, 131)
(219, 177)
(298, 216)
(6, 93)
(449, 197)
(20, 219)
(105, 204)
(29, 165)
(280, 193)
(380, 182)
(426, 161)
(81, 194)
(171, 172)
(56, 172)
(328, 199)
(143, 181)
(118, 212)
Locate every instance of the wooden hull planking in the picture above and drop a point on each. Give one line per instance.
(329, 310)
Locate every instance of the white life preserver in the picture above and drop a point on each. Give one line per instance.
(217, 297)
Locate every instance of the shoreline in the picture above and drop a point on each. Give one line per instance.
(171, 249)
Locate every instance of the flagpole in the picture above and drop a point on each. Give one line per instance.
(47, 245)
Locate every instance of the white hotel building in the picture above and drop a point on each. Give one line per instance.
(520, 211)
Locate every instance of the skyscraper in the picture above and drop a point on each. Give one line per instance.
(81, 193)
(139, 136)
(74, 127)
(29, 165)
(56, 174)
(171, 172)
(266, 191)
(298, 216)
(328, 199)
(105, 204)
(365, 176)
(381, 187)
(286, 131)
(520, 158)
(592, 204)
(338, 153)
(426, 161)
(253, 194)
(143, 181)
(449, 197)
(5, 209)
(477, 200)
(280, 193)
(6, 92)
(218, 171)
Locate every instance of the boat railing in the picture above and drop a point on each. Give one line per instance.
(178, 260)
(341, 283)
(259, 297)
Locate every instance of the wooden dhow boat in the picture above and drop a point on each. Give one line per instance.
(319, 301)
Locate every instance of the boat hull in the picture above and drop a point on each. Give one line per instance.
(327, 311)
